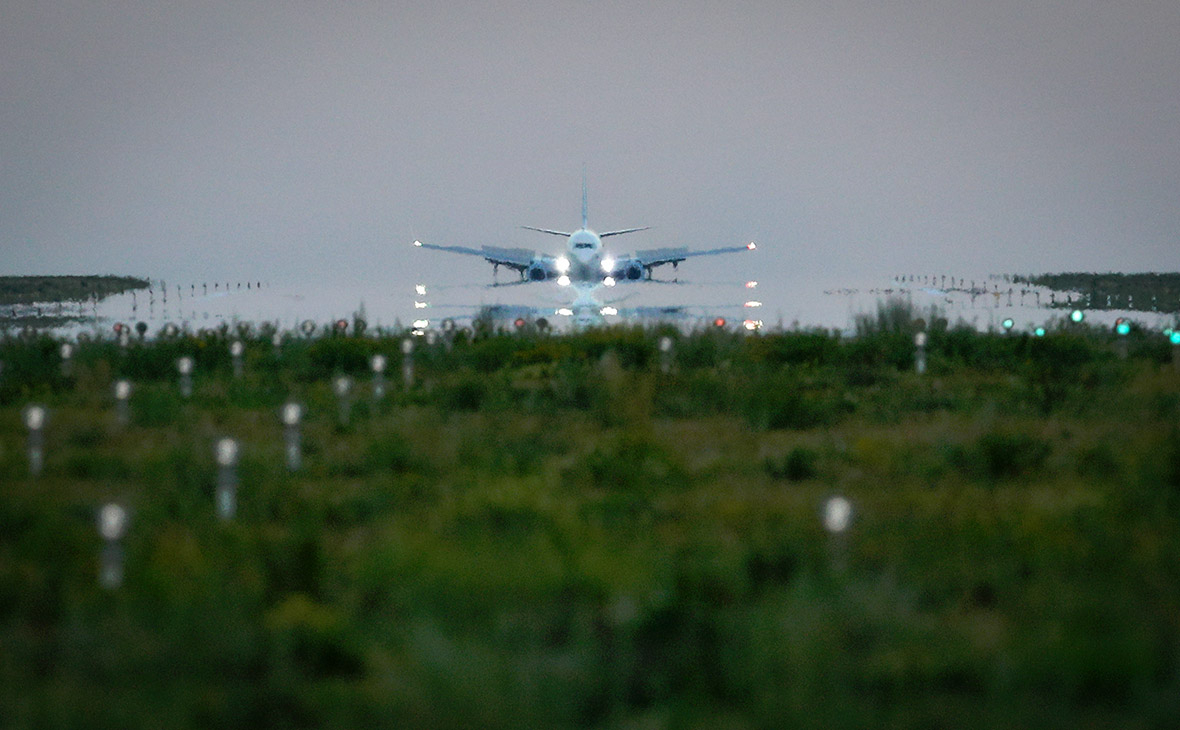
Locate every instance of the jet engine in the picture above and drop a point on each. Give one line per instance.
(634, 272)
(536, 272)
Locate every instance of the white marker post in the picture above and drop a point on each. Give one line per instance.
(236, 349)
(227, 478)
(342, 386)
(408, 363)
(122, 392)
(837, 518)
(291, 414)
(35, 417)
(112, 525)
(920, 356)
(665, 354)
(67, 359)
(276, 341)
(184, 366)
(377, 364)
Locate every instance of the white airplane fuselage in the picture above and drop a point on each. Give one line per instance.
(585, 262)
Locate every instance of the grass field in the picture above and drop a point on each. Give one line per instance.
(550, 531)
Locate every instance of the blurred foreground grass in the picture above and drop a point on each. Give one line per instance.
(552, 532)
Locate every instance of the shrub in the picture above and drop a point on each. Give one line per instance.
(796, 465)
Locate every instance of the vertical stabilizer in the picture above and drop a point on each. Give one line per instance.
(585, 212)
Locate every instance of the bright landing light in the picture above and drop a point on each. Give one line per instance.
(751, 246)
(608, 311)
(417, 243)
(420, 289)
(565, 312)
(562, 264)
(420, 305)
(751, 304)
(751, 285)
(608, 265)
(563, 280)
(608, 281)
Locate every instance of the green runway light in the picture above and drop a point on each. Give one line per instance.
(1077, 316)
(1039, 332)
(1175, 338)
(1007, 324)
(1123, 328)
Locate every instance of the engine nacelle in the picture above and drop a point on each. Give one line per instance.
(634, 272)
(537, 272)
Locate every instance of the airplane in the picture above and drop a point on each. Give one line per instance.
(586, 263)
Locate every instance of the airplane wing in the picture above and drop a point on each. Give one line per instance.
(627, 268)
(530, 264)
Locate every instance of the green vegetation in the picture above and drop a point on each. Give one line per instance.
(47, 302)
(550, 531)
(33, 289)
(1140, 292)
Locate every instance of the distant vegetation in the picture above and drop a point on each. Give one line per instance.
(33, 289)
(584, 531)
(1140, 292)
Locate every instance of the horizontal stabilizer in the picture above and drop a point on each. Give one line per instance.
(563, 234)
(625, 230)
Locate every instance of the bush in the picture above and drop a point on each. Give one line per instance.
(797, 465)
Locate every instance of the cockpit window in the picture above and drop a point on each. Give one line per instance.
(583, 245)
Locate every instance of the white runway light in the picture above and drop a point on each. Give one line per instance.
(407, 363)
(837, 514)
(291, 414)
(184, 366)
(35, 417)
(666, 354)
(112, 525)
(236, 350)
(122, 392)
(67, 361)
(377, 364)
(342, 387)
(226, 453)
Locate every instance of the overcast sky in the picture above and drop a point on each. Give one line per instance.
(314, 141)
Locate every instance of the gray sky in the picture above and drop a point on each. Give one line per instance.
(313, 141)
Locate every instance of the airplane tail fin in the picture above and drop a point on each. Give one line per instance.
(585, 209)
(585, 219)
